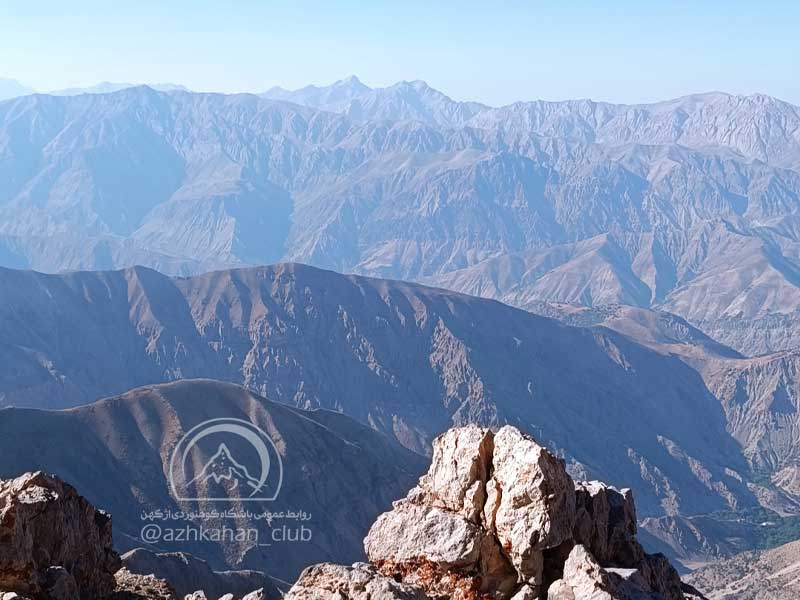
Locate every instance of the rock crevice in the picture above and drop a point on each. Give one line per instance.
(498, 517)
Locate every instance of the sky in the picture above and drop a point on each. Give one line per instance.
(494, 52)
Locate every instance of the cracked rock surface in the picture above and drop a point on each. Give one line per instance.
(498, 517)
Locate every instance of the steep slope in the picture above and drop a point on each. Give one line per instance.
(768, 575)
(761, 397)
(118, 451)
(757, 126)
(410, 361)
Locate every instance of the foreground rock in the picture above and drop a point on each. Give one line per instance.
(359, 582)
(133, 586)
(54, 545)
(53, 542)
(497, 516)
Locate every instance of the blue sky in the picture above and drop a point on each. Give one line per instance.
(495, 52)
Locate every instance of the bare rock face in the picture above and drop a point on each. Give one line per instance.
(498, 517)
(359, 582)
(444, 538)
(132, 586)
(459, 470)
(53, 542)
(606, 523)
(583, 579)
(531, 501)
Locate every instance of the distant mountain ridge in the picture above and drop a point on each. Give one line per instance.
(582, 202)
(11, 88)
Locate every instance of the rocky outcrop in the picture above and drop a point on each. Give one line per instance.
(188, 574)
(53, 542)
(359, 582)
(133, 586)
(606, 522)
(54, 545)
(497, 516)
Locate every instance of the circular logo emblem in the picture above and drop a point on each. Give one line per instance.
(226, 460)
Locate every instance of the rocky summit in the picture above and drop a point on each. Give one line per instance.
(498, 517)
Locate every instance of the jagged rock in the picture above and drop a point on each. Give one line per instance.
(583, 579)
(198, 595)
(530, 501)
(45, 523)
(412, 532)
(497, 516)
(459, 470)
(359, 582)
(661, 576)
(258, 594)
(132, 586)
(606, 523)
(526, 592)
(435, 538)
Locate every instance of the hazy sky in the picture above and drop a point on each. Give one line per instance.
(495, 52)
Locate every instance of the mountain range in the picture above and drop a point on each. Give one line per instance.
(694, 427)
(688, 206)
(621, 281)
(11, 88)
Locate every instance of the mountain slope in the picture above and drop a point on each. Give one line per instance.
(647, 205)
(768, 575)
(409, 361)
(340, 473)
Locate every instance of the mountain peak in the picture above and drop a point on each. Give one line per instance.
(351, 80)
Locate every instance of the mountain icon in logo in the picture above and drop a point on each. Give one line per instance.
(223, 467)
(245, 464)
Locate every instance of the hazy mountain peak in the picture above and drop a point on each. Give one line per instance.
(352, 80)
(11, 88)
(108, 87)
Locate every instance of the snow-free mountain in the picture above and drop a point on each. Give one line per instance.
(693, 427)
(339, 473)
(659, 245)
(689, 206)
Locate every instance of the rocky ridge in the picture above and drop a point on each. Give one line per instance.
(54, 545)
(497, 516)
